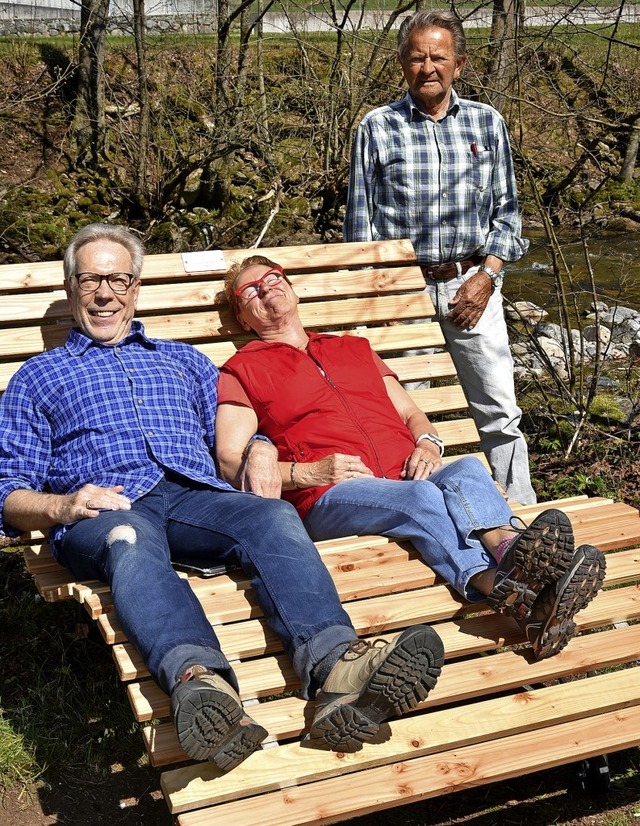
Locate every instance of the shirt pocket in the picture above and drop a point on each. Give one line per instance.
(482, 160)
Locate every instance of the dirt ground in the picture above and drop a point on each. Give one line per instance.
(133, 798)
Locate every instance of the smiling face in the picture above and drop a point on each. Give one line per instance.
(102, 315)
(430, 66)
(271, 306)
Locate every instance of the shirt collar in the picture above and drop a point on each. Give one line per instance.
(417, 114)
(78, 343)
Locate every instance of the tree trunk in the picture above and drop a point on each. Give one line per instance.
(143, 97)
(504, 33)
(89, 121)
(631, 155)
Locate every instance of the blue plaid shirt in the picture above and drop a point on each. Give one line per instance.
(108, 415)
(448, 185)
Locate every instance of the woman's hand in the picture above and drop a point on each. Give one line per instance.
(422, 462)
(329, 471)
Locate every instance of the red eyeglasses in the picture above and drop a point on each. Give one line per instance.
(251, 289)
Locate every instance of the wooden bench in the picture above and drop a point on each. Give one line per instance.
(494, 713)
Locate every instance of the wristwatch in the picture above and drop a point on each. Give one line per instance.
(493, 275)
(432, 438)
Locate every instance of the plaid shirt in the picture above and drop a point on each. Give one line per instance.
(448, 185)
(89, 413)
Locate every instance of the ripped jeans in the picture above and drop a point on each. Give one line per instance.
(182, 521)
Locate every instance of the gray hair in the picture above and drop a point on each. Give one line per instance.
(104, 232)
(427, 19)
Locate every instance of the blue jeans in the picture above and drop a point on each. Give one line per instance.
(439, 515)
(484, 364)
(132, 551)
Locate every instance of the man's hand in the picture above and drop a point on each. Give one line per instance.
(332, 469)
(422, 462)
(260, 472)
(88, 502)
(470, 301)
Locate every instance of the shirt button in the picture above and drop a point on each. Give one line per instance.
(150, 433)
(444, 194)
(140, 491)
(139, 401)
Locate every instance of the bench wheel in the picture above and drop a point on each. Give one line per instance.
(594, 776)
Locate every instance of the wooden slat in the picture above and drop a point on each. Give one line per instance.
(402, 585)
(409, 737)
(169, 266)
(213, 324)
(23, 307)
(473, 635)
(448, 771)
(288, 717)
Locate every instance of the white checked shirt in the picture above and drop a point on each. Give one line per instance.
(448, 185)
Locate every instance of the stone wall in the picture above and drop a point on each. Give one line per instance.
(49, 27)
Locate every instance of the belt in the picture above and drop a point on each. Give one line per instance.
(445, 272)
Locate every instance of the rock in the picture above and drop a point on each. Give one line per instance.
(605, 383)
(538, 265)
(595, 333)
(599, 306)
(525, 311)
(551, 330)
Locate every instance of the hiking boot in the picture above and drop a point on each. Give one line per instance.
(550, 625)
(210, 721)
(538, 555)
(374, 681)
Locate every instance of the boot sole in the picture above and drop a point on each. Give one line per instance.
(542, 555)
(582, 586)
(212, 726)
(400, 682)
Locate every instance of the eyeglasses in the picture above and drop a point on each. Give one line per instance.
(251, 289)
(90, 282)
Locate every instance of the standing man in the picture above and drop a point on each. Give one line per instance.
(108, 442)
(437, 169)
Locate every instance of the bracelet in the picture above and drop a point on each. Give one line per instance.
(432, 438)
(292, 474)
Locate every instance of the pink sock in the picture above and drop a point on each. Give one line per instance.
(502, 547)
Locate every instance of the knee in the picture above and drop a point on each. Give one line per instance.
(122, 533)
(467, 470)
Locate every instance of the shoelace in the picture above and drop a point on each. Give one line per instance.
(358, 648)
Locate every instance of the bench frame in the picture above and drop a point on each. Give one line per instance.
(481, 723)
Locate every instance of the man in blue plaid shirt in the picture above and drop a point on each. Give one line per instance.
(108, 443)
(437, 169)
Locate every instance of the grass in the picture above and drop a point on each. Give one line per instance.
(61, 703)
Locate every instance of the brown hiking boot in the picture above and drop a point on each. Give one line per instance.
(550, 625)
(374, 681)
(210, 721)
(540, 554)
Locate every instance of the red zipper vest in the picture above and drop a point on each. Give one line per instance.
(329, 399)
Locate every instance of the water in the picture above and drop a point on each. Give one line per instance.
(615, 260)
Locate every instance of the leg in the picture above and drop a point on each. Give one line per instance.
(485, 368)
(159, 612)
(266, 537)
(436, 515)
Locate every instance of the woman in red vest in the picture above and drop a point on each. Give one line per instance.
(355, 455)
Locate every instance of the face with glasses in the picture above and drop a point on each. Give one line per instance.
(264, 296)
(103, 293)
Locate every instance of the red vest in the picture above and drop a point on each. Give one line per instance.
(329, 399)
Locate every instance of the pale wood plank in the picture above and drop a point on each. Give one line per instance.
(303, 258)
(453, 770)
(463, 680)
(466, 636)
(409, 737)
(23, 307)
